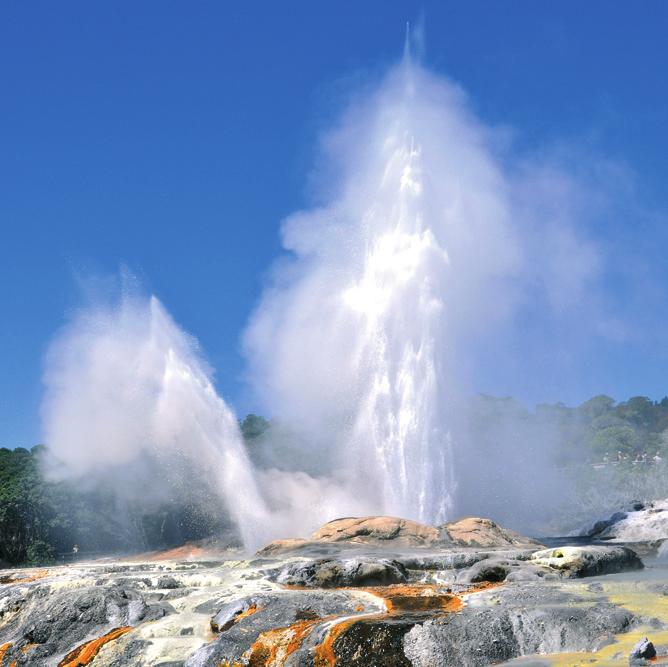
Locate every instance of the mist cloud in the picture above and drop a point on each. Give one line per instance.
(123, 382)
(428, 240)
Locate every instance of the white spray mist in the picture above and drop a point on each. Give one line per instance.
(124, 380)
(356, 336)
(424, 242)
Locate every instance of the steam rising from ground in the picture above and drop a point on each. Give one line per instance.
(127, 393)
(123, 381)
(424, 241)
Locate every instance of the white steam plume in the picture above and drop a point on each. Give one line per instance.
(424, 240)
(123, 381)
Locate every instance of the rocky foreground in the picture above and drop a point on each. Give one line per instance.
(367, 592)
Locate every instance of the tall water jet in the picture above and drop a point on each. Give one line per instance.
(123, 381)
(354, 339)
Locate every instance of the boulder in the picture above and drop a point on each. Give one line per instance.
(387, 530)
(377, 530)
(588, 561)
(486, 635)
(56, 622)
(643, 650)
(489, 570)
(168, 582)
(479, 532)
(639, 523)
(337, 573)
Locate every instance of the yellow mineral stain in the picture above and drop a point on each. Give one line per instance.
(612, 655)
(399, 599)
(273, 647)
(635, 597)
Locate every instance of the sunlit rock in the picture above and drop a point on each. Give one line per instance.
(377, 530)
(588, 561)
(479, 532)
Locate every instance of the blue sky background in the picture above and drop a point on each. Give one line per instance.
(173, 137)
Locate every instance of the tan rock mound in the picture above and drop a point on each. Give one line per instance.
(282, 546)
(477, 532)
(377, 529)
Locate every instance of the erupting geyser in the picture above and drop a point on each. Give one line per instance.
(124, 380)
(419, 242)
(354, 341)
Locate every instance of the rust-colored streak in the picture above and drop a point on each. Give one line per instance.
(416, 598)
(273, 647)
(482, 586)
(14, 579)
(3, 649)
(249, 612)
(324, 655)
(244, 614)
(400, 599)
(84, 654)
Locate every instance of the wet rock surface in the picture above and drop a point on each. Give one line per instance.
(588, 561)
(331, 573)
(361, 605)
(42, 624)
(517, 625)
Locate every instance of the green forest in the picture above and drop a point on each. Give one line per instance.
(45, 521)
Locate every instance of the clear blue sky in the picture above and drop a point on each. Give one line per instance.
(173, 137)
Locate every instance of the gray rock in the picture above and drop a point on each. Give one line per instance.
(490, 570)
(335, 573)
(639, 523)
(588, 561)
(57, 621)
(600, 526)
(520, 624)
(644, 649)
(280, 610)
(168, 582)
(230, 613)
